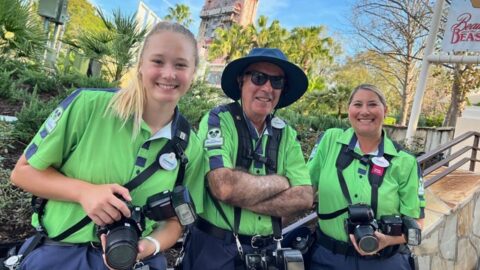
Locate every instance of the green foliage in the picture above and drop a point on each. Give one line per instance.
(306, 47)
(6, 83)
(198, 101)
(20, 34)
(82, 18)
(15, 204)
(181, 14)
(46, 83)
(308, 127)
(389, 120)
(116, 47)
(76, 80)
(6, 139)
(16, 209)
(32, 115)
(434, 121)
(317, 122)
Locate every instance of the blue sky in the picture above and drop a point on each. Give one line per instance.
(333, 14)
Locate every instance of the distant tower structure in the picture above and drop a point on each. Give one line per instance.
(221, 14)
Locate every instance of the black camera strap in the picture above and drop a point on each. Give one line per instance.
(344, 159)
(177, 144)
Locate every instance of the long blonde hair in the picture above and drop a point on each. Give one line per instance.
(130, 101)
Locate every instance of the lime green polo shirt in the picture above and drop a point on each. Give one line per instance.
(217, 130)
(81, 141)
(401, 191)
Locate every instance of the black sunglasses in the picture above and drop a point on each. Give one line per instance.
(260, 78)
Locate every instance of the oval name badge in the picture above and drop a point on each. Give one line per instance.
(278, 123)
(168, 161)
(381, 162)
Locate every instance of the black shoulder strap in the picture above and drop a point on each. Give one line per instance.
(245, 153)
(244, 149)
(344, 159)
(375, 182)
(245, 157)
(375, 179)
(177, 144)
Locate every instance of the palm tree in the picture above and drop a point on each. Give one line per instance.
(336, 98)
(20, 35)
(230, 44)
(181, 14)
(305, 46)
(123, 38)
(272, 36)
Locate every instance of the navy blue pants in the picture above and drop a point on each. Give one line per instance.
(53, 256)
(324, 259)
(207, 252)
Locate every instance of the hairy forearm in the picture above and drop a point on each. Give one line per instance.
(243, 189)
(286, 203)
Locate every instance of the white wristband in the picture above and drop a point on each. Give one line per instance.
(156, 243)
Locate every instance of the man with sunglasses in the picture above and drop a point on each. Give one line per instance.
(257, 173)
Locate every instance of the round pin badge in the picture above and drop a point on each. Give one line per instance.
(380, 161)
(168, 161)
(278, 123)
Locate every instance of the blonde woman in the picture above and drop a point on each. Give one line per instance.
(98, 140)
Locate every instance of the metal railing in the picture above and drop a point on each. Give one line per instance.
(424, 159)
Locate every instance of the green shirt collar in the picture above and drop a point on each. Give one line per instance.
(389, 148)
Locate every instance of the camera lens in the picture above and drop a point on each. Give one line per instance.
(121, 250)
(368, 243)
(366, 239)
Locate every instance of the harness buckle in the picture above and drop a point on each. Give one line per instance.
(239, 245)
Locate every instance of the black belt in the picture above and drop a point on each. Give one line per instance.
(256, 241)
(347, 249)
(335, 246)
(50, 242)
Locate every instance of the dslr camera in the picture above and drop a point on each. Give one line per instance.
(281, 259)
(362, 224)
(123, 235)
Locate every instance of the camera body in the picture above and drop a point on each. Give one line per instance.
(123, 235)
(362, 224)
(122, 238)
(281, 259)
(391, 225)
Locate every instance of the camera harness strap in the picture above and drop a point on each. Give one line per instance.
(177, 144)
(245, 157)
(375, 177)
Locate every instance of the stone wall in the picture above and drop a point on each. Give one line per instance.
(426, 138)
(451, 241)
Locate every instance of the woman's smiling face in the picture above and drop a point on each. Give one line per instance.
(366, 113)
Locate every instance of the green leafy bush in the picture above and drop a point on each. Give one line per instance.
(31, 117)
(45, 82)
(198, 101)
(5, 139)
(76, 80)
(16, 210)
(434, 121)
(308, 127)
(6, 84)
(389, 120)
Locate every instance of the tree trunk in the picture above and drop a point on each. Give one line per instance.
(458, 98)
(404, 111)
